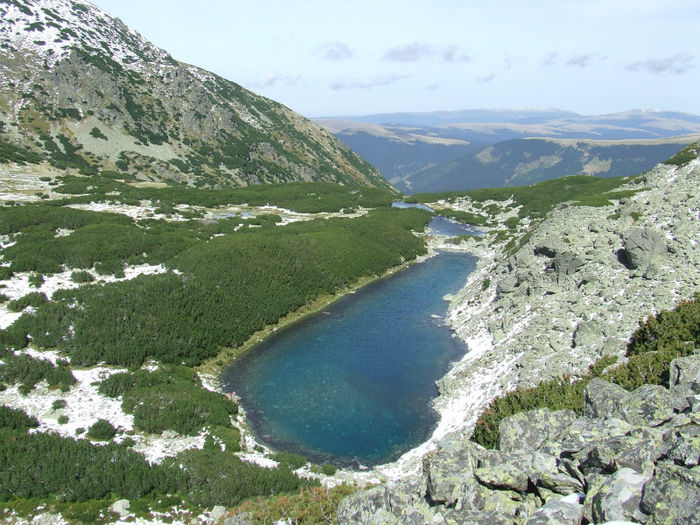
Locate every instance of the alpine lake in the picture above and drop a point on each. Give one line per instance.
(353, 384)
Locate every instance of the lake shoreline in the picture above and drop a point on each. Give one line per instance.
(255, 451)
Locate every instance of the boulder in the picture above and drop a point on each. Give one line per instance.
(684, 446)
(648, 405)
(603, 399)
(642, 246)
(585, 433)
(637, 450)
(530, 430)
(684, 375)
(367, 506)
(589, 333)
(550, 247)
(445, 469)
(672, 495)
(564, 511)
(515, 470)
(473, 517)
(121, 507)
(565, 263)
(506, 285)
(619, 497)
(245, 518)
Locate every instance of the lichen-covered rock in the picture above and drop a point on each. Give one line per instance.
(585, 433)
(446, 469)
(602, 399)
(507, 285)
(474, 517)
(566, 263)
(366, 506)
(672, 495)
(564, 511)
(637, 450)
(589, 333)
(549, 247)
(245, 518)
(684, 379)
(648, 405)
(530, 430)
(684, 446)
(515, 470)
(643, 245)
(619, 497)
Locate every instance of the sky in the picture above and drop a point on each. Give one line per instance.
(359, 57)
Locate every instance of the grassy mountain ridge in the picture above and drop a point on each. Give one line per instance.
(81, 90)
(527, 161)
(439, 151)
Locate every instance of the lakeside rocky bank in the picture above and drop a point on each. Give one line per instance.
(574, 291)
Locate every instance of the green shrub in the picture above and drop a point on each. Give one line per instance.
(325, 469)
(36, 280)
(27, 372)
(182, 407)
(101, 430)
(58, 404)
(34, 299)
(95, 132)
(63, 419)
(82, 277)
(685, 155)
(289, 460)
(16, 419)
(218, 478)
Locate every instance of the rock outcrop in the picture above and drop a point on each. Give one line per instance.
(573, 292)
(630, 457)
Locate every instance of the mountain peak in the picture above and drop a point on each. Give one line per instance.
(52, 29)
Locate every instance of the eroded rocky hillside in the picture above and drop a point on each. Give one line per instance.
(83, 91)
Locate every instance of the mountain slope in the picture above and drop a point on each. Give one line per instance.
(421, 152)
(527, 161)
(82, 90)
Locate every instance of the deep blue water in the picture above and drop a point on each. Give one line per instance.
(353, 384)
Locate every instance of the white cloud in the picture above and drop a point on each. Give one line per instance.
(486, 79)
(274, 80)
(417, 51)
(676, 64)
(551, 59)
(584, 60)
(334, 51)
(368, 83)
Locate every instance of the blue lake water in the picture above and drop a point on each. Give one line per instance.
(353, 384)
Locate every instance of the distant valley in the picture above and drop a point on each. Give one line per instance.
(460, 150)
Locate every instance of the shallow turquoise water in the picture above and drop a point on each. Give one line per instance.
(353, 384)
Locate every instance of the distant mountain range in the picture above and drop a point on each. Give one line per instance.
(79, 90)
(477, 148)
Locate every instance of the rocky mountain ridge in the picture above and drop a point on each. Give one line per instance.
(574, 291)
(83, 91)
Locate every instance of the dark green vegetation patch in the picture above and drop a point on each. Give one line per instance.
(219, 292)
